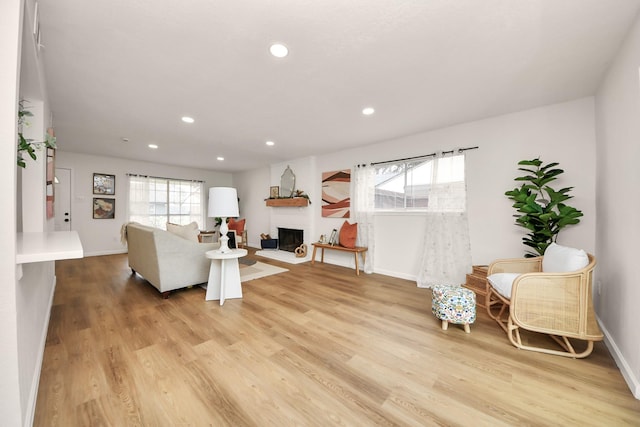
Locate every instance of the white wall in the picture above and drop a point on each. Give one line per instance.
(618, 232)
(102, 236)
(563, 133)
(301, 218)
(253, 188)
(33, 212)
(11, 409)
(27, 291)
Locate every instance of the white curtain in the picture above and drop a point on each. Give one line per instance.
(447, 249)
(139, 199)
(362, 207)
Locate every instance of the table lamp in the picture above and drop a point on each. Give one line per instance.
(223, 202)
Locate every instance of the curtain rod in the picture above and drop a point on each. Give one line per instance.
(164, 177)
(459, 150)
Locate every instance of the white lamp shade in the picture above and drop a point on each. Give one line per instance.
(223, 202)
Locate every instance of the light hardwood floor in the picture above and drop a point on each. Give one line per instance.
(315, 346)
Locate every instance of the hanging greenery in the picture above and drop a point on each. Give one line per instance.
(27, 145)
(541, 209)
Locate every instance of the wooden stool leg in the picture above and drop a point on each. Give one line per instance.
(466, 328)
(445, 324)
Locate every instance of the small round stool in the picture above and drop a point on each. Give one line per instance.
(454, 304)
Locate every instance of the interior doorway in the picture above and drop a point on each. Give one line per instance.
(62, 204)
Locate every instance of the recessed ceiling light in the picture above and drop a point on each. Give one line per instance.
(220, 158)
(154, 146)
(270, 143)
(278, 50)
(188, 119)
(368, 111)
(125, 139)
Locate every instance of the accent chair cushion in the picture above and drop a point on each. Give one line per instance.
(189, 231)
(557, 259)
(348, 234)
(503, 282)
(562, 259)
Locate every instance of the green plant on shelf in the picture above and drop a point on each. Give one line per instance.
(28, 145)
(300, 193)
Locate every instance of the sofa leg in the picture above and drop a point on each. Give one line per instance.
(165, 295)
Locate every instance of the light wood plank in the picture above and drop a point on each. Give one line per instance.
(316, 345)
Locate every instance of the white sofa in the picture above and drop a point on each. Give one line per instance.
(166, 260)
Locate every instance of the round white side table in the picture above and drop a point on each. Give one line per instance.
(224, 275)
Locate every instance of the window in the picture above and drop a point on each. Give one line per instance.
(423, 184)
(156, 201)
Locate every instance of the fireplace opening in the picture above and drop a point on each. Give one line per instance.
(289, 239)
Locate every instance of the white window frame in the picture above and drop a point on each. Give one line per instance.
(440, 181)
(154, 201)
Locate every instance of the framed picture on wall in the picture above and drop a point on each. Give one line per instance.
(104, 184)
(104, 208)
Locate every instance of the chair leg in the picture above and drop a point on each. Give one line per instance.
(445, 325)
(514, 337)
(467, 329)
(493, 302)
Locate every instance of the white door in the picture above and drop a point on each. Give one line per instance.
(62, 204)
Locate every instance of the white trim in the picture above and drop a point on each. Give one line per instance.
(627, 373)
(283, 256)
(397, 274)
(401, 212)
(107, 252)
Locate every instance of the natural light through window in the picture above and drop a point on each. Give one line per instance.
(156, 201)
(409, 185)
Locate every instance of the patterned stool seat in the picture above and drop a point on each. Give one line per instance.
(454, 304)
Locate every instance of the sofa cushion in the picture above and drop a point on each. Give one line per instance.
(189, 231)
(348, 234)
(562, 259)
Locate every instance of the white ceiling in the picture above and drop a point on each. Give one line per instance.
(132, 68)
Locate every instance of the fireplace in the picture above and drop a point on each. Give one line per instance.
(289, 239)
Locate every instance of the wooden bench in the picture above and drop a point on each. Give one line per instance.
(357, 250)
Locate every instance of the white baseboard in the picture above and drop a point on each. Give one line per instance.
(397, 274)
(283, 256)
(109, 252)
(33, 395)
(627, 373)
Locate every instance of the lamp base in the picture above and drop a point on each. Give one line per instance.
(224, 239)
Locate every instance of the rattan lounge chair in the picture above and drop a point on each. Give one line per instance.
(555, 303)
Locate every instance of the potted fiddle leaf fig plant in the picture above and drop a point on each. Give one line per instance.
(541, 209)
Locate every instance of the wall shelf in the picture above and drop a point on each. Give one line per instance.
(292, 202)
(47, 246)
